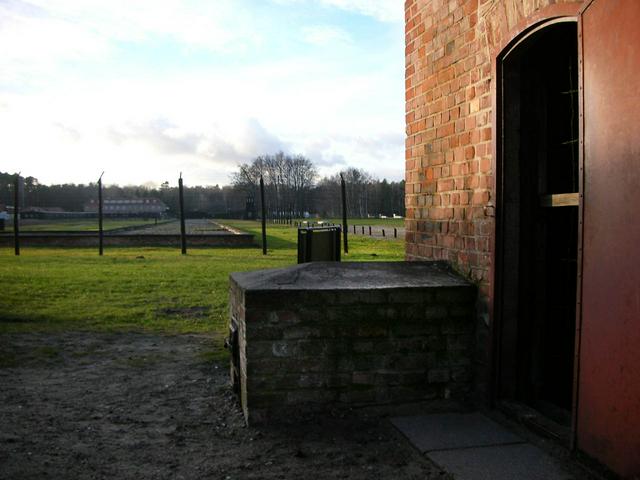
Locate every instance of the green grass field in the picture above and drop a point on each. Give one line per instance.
(78, 225)
(152, 289)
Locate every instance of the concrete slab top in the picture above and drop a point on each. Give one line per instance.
(453, 430)
(351, 276)
(471, 446)
(503, 462)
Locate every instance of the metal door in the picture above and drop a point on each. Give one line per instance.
(608, 415)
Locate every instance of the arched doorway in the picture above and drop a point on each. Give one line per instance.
(537, 242)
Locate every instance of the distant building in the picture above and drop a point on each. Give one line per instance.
(47, 213)
(138, 206)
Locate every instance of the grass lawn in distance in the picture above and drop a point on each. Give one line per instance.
(361, 248)
(147, 289)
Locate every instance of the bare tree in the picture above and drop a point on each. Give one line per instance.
(288, 182)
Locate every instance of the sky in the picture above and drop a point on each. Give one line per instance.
(146, 89)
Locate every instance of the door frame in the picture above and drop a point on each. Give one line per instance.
(521, 33)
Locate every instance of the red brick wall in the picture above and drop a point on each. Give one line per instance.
(450, 52)
(451, 47)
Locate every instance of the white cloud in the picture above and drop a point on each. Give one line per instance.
(323, 35)
(144, 126)
(145, 129)
(382, 10)
(34, 43)
(202, 24)
(40, 35)
(377, 152)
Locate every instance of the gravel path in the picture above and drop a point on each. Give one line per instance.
(87, 405)
(192, 227)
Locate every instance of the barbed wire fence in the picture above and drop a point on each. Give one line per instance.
(99, 214)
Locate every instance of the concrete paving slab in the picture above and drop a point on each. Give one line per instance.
(504, 462)
(453, 430)
(318, 276)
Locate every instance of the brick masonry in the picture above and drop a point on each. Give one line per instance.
(325, 334)
(451, 47)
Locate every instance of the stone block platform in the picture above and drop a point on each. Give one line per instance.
(325, 334)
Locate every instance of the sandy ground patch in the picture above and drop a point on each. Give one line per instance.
(88, 405)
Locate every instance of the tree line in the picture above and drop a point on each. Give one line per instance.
(292, 189)
(202, 201)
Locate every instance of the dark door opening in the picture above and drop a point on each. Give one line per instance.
(538, 234)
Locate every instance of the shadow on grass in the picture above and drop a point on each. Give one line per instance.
(277, 243)
(8, 318)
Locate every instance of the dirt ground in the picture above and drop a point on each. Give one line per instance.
(192, 227)
(87, 405)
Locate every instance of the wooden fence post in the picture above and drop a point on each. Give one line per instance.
(344, 214)
(100, 219)
(264, 220)
(183, 230)
(16, 215)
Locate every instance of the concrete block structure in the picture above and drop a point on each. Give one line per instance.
(326, 334)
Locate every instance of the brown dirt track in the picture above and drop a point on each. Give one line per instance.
(125, 405)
